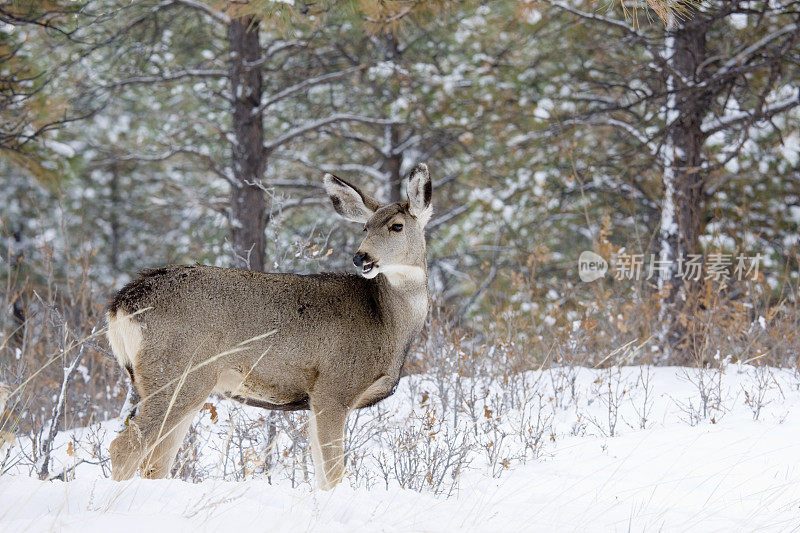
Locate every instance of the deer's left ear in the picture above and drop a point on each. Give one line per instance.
(348, 200)
(419, 190)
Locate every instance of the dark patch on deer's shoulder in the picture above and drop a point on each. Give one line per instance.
(374, 307)
(131, 297)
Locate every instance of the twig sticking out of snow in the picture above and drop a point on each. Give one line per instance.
(58, 410)
(6, 437)
(128, 410)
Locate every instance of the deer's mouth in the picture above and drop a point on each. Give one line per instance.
(366, 268)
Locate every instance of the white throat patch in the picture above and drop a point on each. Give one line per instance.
(402, 274)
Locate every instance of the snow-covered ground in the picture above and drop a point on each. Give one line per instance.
(700, 462)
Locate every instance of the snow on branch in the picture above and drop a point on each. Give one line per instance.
(301, 202)
(620, 24)
(716, 124)
(333, 169)
(295, 184)
(729, 67)
(66, 346)
(58, 411)
(273, 50)
(317, 124)
(211, 164)
(447, 217)
(219, 16)
(164, 78)
(619, 124)
(356, 138)
(408, 143)
(662, 62)
(294, 89)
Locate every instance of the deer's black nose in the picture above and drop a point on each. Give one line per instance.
(360, 259)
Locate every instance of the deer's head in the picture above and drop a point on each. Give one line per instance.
(394, 244)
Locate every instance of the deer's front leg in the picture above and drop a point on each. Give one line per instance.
(380, 389)
(326, 425)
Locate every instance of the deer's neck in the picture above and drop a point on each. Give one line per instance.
(404, 298)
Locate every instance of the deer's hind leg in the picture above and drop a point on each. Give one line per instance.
(158, 463)
(169, 402)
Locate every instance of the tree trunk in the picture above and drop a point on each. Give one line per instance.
(392, 165)
(683, 195)
(248, 210)
(18, 304)
(392, 162)
(116, 205)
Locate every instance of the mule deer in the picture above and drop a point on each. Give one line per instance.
(329, 343)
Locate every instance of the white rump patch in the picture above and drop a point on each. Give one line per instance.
(125, 337)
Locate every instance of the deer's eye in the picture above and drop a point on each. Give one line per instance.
(396, 227)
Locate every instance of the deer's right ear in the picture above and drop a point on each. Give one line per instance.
(348, 200)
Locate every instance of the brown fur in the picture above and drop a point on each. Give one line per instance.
(330, 343)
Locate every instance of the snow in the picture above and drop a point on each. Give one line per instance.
(790, 148)
(738, 20)
(60, 148)
(720, 471)
(532, 16)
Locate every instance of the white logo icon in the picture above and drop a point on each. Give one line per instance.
(591, 266)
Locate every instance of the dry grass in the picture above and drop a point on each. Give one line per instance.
(604, 325)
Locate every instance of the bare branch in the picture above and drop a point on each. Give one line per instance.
(732, 67)
(447, 217)
(487, 281)
(301, 202)
(588, 121)
(295, 184)
(334, 168)
(408, 143)
(620, 24)
(317, 124)
(294, 89)
(750, 50)
(630, 130)
(208, 10)
(626, 28)
(716, 124)
(355, 137)
(165, 78)
(211, 164)
(58, 408)
(280, 47)
(273, 50)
